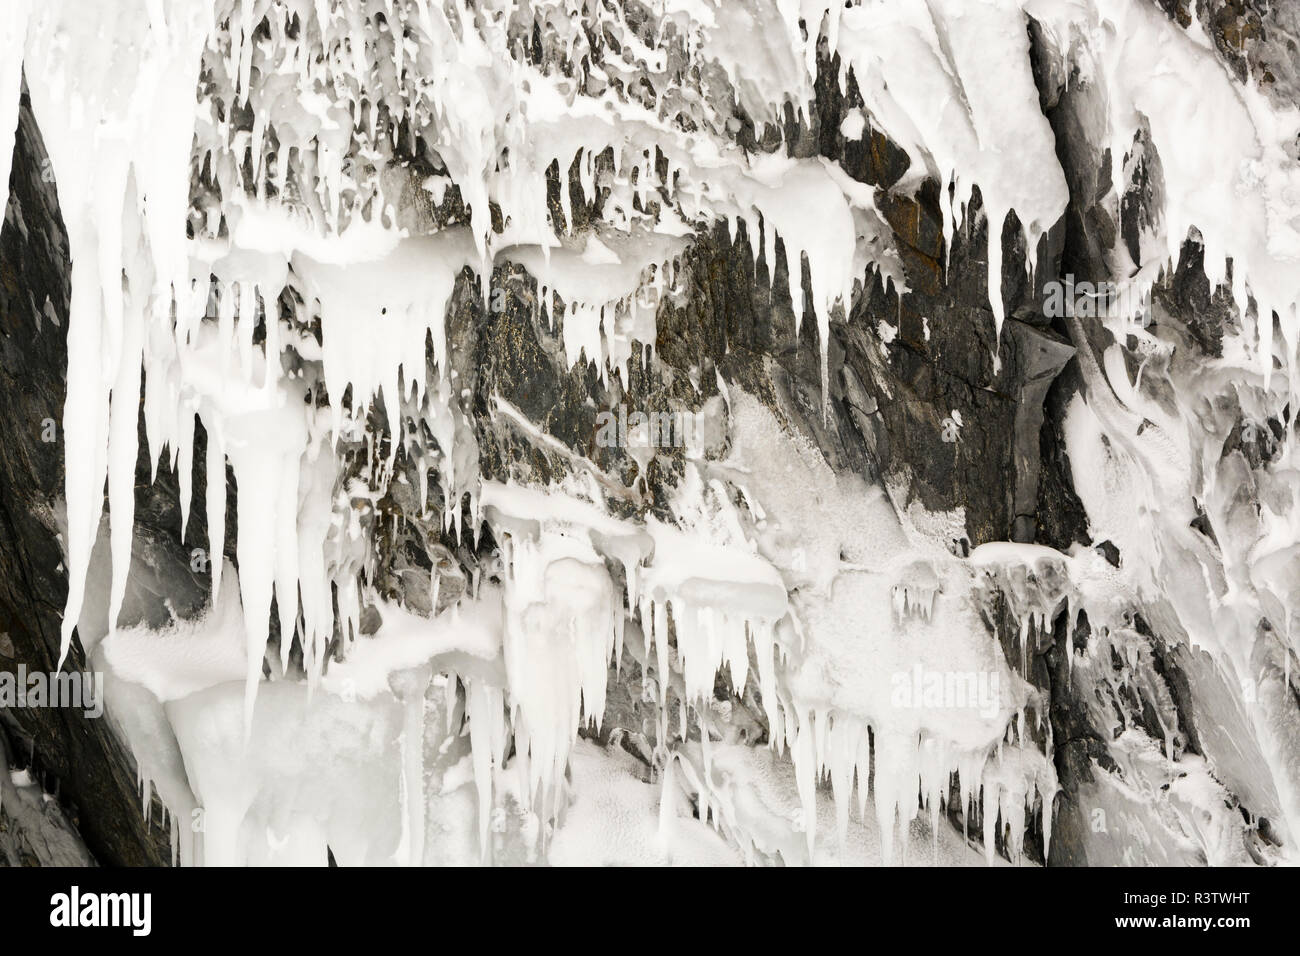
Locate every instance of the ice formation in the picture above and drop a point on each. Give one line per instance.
(254, 243)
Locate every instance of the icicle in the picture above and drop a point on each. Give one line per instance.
(411, 687)
(122, 443)
(185, 467)
(215, 501)
(996, 218)
(805, 767)
(667, 806)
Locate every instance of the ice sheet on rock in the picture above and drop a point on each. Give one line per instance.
(930, 687)
(525, 511)
(931, 682)
(1191, 821)
(760, 51)
(1223, 157)
(189, 657)
(721, 599)
(260, 791)
(1210, 597)
(377, 318)
(140, 719)
(616, 819)
(465, 638)
(923, 73)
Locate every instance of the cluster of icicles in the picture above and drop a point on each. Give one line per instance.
(725, 607)
(112, 93)
(137, 99)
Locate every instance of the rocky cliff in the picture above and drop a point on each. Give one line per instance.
(972, 397)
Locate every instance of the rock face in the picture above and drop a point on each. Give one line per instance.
(923, 397)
